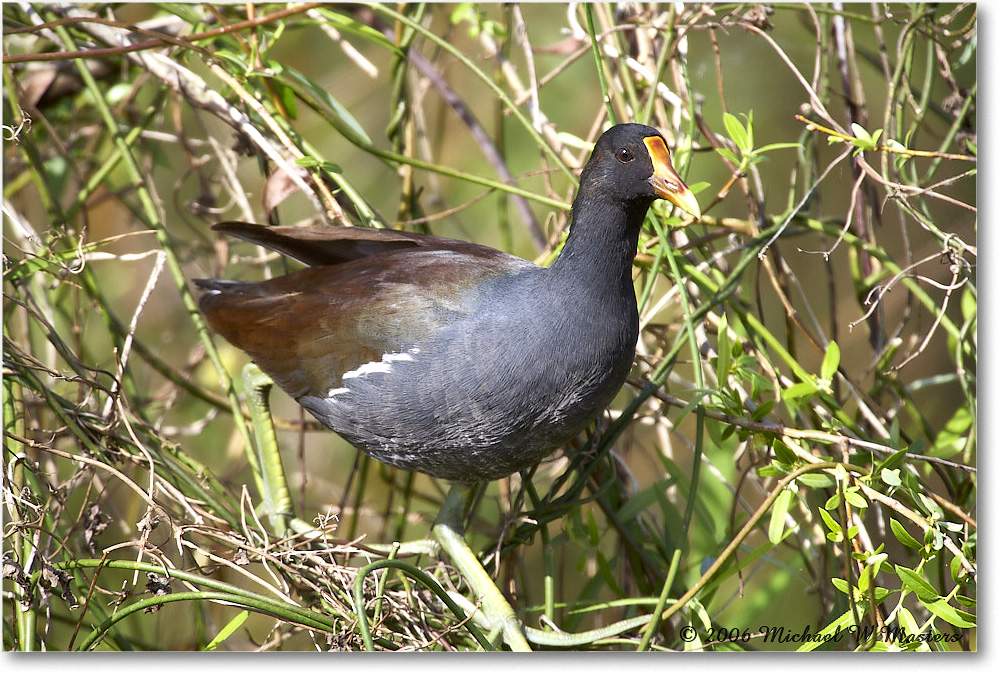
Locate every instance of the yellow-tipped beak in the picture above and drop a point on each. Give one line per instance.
(667, 184)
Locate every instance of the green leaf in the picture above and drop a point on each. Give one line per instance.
(228, 630)
(728, 154)
(698, 187)
(831, 360)
(763, 410)
(725, 354)
(779, 510)
(318, 98)
(464, 11)
(776, 146)
(969, 304)
(864, 140)
(917, 584)
(894, 432)
(953, 437)
(854, 498)
(288, 101)
(775, 468)
(893, 461)
(738, 133)
(906, 621)
(117, 93)
(860, 133)
(934, 539)
(313, 163)
(798, 390)
(958, 573)
(891, 477)
(875, 561)
(842, 622)
(233, 58)
(931, 506)
(815, 480)
(951, 527)
(727, 431)
(902, 535)
(831, 523)
(348, 24)
(841, 585)
(782, 452)
(863, 583)
(956, 617)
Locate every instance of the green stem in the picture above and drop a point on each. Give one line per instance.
(448, 530)
(661, 603)
(265, 461)
(261, 605)
(596, 49)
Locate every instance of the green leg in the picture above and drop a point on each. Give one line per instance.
(449, 531)
(266, 462)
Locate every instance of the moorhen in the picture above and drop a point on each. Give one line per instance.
(450, 358)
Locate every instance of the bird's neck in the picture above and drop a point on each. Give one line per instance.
(601, 247)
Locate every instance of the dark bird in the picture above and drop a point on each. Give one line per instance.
(450, 358)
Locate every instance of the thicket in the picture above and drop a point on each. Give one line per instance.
(795, 447)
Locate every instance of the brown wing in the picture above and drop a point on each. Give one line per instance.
(324, 245)
(307, 328)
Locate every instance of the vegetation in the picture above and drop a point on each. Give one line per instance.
(792, 464)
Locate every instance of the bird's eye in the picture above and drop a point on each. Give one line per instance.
(624, 155)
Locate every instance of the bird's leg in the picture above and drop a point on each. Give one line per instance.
(266, 460)
(449, 530)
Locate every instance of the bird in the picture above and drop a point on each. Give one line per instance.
(447, 357)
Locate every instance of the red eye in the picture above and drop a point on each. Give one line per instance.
(624, 155)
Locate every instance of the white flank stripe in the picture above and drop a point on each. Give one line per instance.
(381, 366)
(367, 369)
